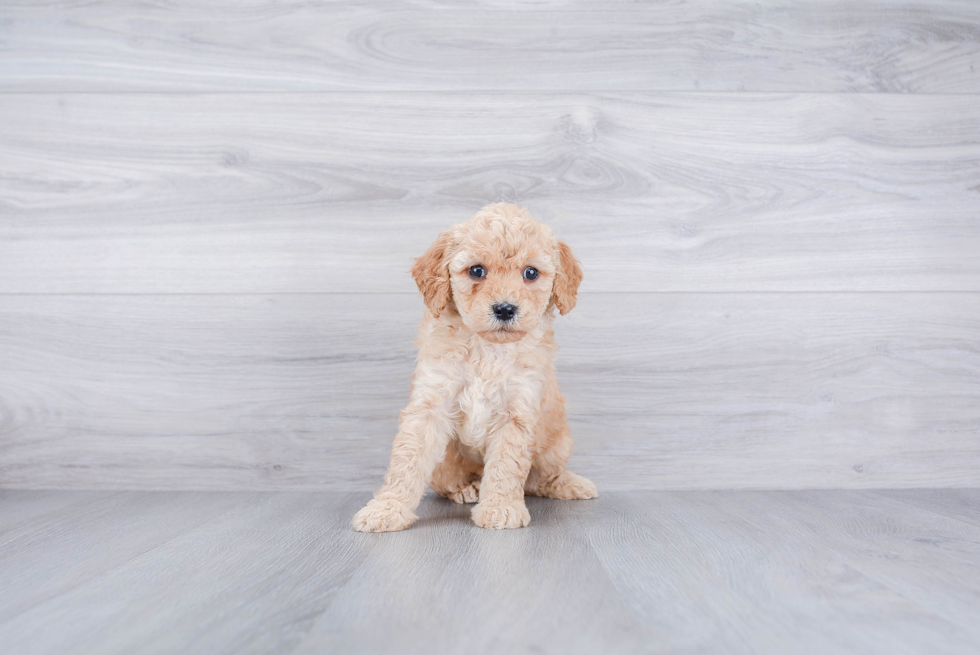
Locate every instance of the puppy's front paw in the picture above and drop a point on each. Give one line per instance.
(387, 515)
(501, 516)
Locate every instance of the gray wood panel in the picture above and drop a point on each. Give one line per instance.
(629, 572)
(665, 390)
(957, 504)
(789, 572)
(243, 573)
(448, 587)
(38, 564)
(895, 46)
(25, 512)
(898, 564)
(338, 192)
(300, 154)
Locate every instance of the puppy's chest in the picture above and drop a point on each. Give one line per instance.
(494, 385)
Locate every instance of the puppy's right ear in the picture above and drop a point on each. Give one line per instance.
(431, 273)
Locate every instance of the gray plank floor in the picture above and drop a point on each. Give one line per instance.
(695, 571)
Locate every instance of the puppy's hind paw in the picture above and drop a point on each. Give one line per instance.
(570, 486)
(501, 516)
(383, 515)
(468, 494)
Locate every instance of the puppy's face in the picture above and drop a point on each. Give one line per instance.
(502, 278)
(502, 269)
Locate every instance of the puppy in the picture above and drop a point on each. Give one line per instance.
(485, 420)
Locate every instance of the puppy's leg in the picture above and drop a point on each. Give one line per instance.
(507, 462)
(421, 442)
(456, 477)
(548, 476)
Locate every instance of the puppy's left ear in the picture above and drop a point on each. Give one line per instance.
(431, 273)
(567, 278)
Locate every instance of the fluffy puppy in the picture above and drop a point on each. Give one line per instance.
(485, 420)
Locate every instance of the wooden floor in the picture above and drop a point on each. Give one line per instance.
(631, 572)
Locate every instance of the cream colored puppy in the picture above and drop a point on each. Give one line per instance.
(485, 421)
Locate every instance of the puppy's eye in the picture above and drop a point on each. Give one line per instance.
(476, 272)
(530, 274)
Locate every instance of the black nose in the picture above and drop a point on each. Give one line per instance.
(504, 311)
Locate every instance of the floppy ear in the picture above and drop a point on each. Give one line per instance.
(431, 273)
(567, 278)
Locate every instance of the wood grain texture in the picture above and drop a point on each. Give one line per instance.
(300, 154)
(957, 504)
(788, 572)
(250, 579)
(338, 192)
(895, 526)
(893, 46)
(24, 512)
(38, 565)
(444, 586)
(666, 391)
(629, 572)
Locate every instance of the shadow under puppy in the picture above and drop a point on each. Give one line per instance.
(485, 421)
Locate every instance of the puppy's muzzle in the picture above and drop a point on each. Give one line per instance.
(504, 311)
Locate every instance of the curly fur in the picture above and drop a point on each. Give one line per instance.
(485, 421)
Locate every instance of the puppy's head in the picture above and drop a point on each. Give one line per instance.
(502, 270)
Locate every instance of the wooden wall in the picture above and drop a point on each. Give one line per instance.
(208, 210)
